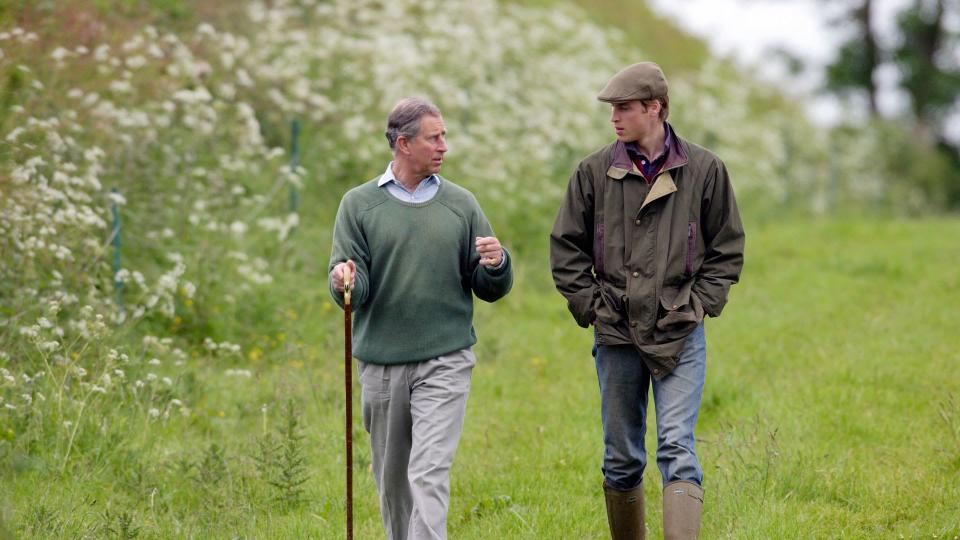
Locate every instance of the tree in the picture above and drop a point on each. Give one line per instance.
(857, 59)
(927, 57)
(930, 73)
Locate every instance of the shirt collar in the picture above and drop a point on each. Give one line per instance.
(388, 177)
(634, 149)
(621, 165)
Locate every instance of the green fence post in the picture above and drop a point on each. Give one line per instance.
(787, 166)
(833, 175)
(115, 240)
(294, 197)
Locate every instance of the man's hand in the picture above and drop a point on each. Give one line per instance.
(491, 253)
(337, 274)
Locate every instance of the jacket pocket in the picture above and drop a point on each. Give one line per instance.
(583, 305)
(612, 305)
(691, 248)
(680, 311)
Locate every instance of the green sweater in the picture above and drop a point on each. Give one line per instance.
(417, 271)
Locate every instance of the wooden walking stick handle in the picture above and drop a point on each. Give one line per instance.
(347, 284)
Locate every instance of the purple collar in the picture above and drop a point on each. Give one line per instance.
(621, 164)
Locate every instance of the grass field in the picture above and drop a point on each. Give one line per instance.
(203, 397)
(831, 411)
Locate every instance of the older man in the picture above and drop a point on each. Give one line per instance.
(418, 247)
(646, 243)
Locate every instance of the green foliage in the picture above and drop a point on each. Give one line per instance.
(281, 459)
(174, 9)
(120, 525)
(211, 470)
(43, 521)
(852, 70)
(923, 56)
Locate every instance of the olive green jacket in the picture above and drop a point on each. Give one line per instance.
(645, 263)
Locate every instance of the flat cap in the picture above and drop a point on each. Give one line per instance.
(637, 82)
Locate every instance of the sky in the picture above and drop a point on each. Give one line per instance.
(749, 30)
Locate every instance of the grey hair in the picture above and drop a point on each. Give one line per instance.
(404, 120)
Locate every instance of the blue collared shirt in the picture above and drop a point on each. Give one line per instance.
(424, 191)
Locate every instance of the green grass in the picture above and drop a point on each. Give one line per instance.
(831, 408)
(830, 412)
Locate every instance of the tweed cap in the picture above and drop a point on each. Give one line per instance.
(637, 82)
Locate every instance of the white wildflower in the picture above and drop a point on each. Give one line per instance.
(243, 78)
(136, 62)
(102, 52)
(121, 87)
(238, 228)
(15, 134)
(189, 289)
(206, 29)
(59, 54)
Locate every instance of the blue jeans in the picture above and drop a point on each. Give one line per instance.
(624, 382)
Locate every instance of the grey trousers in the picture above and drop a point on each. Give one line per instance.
(414, 415)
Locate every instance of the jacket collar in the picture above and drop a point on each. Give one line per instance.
(621, 164)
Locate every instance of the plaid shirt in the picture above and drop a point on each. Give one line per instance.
(650, 169)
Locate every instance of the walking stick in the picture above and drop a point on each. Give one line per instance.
(348, 387)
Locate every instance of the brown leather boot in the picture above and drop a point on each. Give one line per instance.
(625, 513)
(682, 503)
